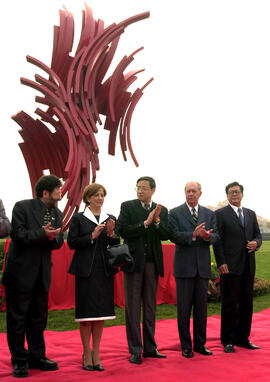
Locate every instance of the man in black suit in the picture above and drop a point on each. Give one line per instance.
(240, 237)
(36, 230)
(192, 229)
(143, 224)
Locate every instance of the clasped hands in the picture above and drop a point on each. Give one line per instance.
(201, 231)
(99, 228)
(251, 246)
(153, 216)
(50, 231)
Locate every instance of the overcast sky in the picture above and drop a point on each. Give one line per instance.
(205, 117)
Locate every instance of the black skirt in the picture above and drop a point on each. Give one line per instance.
(95, 295)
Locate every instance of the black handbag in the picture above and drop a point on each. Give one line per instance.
(118, 255)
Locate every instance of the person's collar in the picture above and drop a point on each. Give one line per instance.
(89, 215)
(191, 208)
(43, 205)
(235, 208)
(150, 204)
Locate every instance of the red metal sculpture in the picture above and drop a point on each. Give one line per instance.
(75, 94)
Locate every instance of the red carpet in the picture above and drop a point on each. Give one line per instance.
(244, 365)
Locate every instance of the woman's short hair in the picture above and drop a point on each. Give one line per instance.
(91, 190)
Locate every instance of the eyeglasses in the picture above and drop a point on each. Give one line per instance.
(141, 188)
(236, 192)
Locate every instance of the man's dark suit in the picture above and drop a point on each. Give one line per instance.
(237, 286)
(27, 278)
(145, 247)
(192, 270)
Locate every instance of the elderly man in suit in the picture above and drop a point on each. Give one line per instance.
(143, 224)
(192, 229)
(36, 230)
(240, 237)
(4, 222)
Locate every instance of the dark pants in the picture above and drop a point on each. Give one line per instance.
(236, 307)
(141, 287)
(192, 292)
(27, 314)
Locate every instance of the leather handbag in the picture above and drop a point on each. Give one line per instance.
(118, 255)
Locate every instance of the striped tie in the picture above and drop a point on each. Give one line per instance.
(194, 214)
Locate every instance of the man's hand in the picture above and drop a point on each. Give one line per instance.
(51, 232)
(97, 231)
(251, 246)
(223, 269)
(205, 234)
(197, 231)
(201, 231)
(157, 212)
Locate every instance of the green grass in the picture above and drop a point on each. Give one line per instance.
(60, 320)
(263, 261)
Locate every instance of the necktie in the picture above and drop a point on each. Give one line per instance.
(147, 206)
(194, 214)
(47, 217)
(240, 215)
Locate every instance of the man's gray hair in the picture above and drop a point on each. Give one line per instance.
(193, 181)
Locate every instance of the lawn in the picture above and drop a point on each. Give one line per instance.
(60, 320)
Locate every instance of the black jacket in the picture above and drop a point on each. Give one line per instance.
(131, 228)
(79, 238)
(231, 249)
(30, 250)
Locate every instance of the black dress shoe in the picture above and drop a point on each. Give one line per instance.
(229, 348)
(188, 353)
(86, 367)
(135, 358)
(203, 350)
(42, 364)
(20, 370)
(98, 367)
(248, 345)
(154, 354)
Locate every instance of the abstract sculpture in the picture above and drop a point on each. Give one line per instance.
(76, 94)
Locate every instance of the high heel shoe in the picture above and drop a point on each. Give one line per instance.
(86, 367)
(98, 367)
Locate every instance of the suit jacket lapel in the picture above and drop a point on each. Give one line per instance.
(153, 206)
(38, 212)
(188, 216)
(89, 215)
(246, 217)
(103, 216)
(234, 217)
(201, 215)
(54, 216)
(141, 212)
